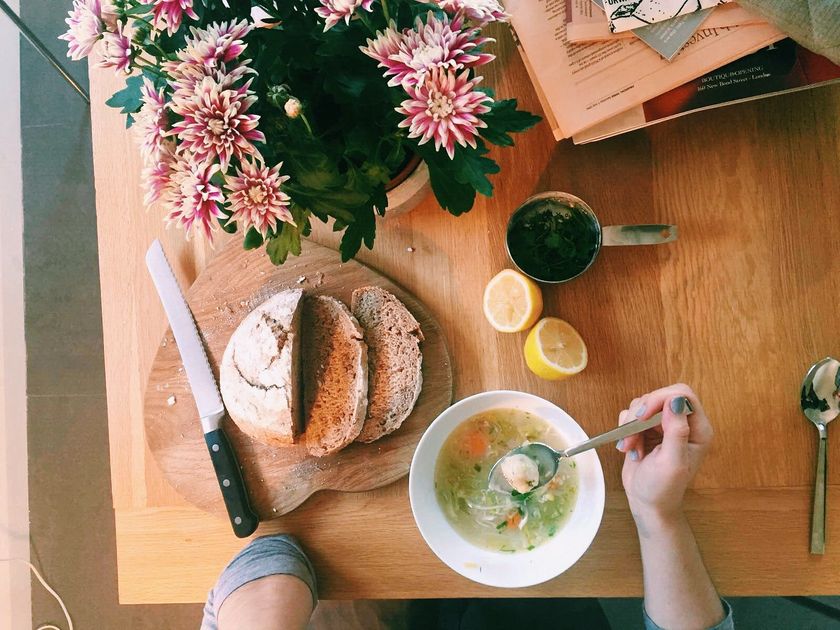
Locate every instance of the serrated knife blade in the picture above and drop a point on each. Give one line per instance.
(211, 410)
(203, 384)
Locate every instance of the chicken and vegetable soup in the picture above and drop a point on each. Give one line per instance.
(491, 519)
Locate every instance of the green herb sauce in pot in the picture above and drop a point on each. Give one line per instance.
(551, 240)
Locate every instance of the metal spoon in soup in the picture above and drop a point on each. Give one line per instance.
(528, 467)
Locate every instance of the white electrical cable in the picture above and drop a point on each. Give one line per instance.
(50, 591)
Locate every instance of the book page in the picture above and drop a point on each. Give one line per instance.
(584, 84)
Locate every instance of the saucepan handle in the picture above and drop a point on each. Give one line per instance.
(638, 234)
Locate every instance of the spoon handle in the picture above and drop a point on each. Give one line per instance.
(818, 516)
(625, 430)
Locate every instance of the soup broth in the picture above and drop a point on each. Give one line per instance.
(501, 521)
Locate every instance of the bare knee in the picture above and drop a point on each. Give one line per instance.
(274, 602)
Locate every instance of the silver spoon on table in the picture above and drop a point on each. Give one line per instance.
(528, 467)
(821, 404)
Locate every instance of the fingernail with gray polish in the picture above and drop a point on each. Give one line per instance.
(634, 455)
(619, 444)
(678, 405)
(641, 411)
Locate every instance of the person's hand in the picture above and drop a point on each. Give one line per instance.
(661, 462)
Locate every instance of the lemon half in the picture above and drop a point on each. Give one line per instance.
(554, 350)
(512, 302)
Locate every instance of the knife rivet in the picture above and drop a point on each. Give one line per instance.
(225, 482)
(238, 520)
(215, 448)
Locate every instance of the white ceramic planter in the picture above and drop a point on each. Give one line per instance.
(408, 194)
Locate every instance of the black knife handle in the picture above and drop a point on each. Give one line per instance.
(242, 518)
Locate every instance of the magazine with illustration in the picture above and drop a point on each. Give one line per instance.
(780, 68)
(625, 15)
(581, 85)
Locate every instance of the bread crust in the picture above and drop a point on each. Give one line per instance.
(259, 374)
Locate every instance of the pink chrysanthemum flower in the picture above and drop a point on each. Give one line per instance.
(155, 176)
(479, 11)
(85, 28)
(333, 11)
(387, 43)
(151, 123)
(170, 13)
(439, 43)
(218, 43)
(256, 198)
(216, 123)
(186, 76)
(116, 52)
(210, 53)
(108, 13)
(445, 108)
(192, 199)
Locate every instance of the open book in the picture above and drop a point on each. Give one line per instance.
(783, 67)
(580, 85)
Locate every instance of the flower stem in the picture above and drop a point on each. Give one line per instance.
(306, 124)
(163, 54)
(385, 12)
(367, 23)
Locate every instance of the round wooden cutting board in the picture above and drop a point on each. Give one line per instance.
(278, 479)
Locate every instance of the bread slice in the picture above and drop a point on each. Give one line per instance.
(260, 373)
(395, 362)
(335, 375)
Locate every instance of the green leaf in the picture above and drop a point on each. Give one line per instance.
(128, 99)
(380, 200)
(502, 118)
(363, 229)
(453, 196)
(287, 240)
(227, 225)
(470, 167)
(140, 9)
(253, 239)
(320, 178)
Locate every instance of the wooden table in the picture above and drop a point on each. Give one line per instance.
(739, 308)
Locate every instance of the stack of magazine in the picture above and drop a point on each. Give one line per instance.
(605, 67)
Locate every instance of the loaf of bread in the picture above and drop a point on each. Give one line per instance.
(260, 372)
(395, 377)
(335, 375)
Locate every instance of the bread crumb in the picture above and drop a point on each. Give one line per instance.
(171, 401)
(410, 250)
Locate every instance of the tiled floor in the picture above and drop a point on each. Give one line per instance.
(72, 525)
(72, 522)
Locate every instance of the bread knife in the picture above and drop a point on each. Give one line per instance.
(211, 410)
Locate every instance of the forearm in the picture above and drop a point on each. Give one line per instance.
(679, 593)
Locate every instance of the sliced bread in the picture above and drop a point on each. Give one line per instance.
(335, 375)
(260, 373)
(395, 362)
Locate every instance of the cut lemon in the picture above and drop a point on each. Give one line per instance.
(512, 302)
(554, 350)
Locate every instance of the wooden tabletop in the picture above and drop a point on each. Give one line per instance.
(739, 307)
